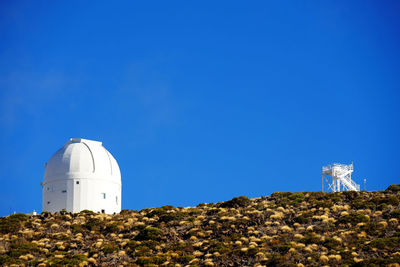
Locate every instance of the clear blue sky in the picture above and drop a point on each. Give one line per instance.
(200, 101)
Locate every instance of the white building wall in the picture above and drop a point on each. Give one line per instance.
(79, 175)
(93, 198)
(54, 197)
(87, 195)
(77, 195)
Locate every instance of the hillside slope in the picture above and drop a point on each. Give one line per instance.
(285, 229)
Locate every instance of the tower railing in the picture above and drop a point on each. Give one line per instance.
(339, 174)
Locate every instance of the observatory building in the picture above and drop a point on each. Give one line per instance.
(82, 175)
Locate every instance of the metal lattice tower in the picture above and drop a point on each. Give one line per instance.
(337, 177)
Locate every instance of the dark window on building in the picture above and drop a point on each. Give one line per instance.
(77, 182)
(48, 202)
(64, 191)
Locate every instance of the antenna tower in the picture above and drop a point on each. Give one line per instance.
(337, 177)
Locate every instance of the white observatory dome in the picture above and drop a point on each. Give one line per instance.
(82, 175)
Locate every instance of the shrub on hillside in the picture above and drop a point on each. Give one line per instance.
(68, 260)
(331, 243)
(377, 261)
(12, 223)
(18, 248)
(149, 233)
(111, 228)
(93, 224)
(87, 212)
(310, 238)
(394, 188)
(236, 202)
(361, 202)
(159, 211)
(353, 218)
(304, 218)
(109, 248)
(395, 214)
(77, 228)
(7, 260)
(296, 198)
(167, 217)
(386, 242)
(323, 203)
(371, 228)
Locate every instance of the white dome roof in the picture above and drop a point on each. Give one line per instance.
(82, 158)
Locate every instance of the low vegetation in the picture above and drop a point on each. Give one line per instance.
(285, 229)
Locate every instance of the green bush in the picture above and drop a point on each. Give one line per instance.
(382, 207)
(353, 218)
(281, 198)
(185, 259)
(5, 259)
(395, 214)
(77, 228)
(18, 248)
(277, 260)
(362, 203)
(331, 243)
(132, 244)
(109, 248)
(159, 211)
(236, 202)
(386, 242)
(310, 238)
(139, 248)
(144, 260)
(296, 198)
(18, 217)
(127, 212)
(87, 212)
(62, 237)
(252, 251)
(112, 228)
(280, 195)
(304, 218)
(371, 228)
(350, 195)
(93, 224)
(149, 232)
(63, 211)
(159, 259)
(324, 203)
(391, 200)
(142, 251)
(173, 217)
(149, 261)
(12, 223)
(69, 260)
(394, 188)
(202, 205)
(194, 211)
(45, 214)
(282, 248)
(219, 247)
(376, 261)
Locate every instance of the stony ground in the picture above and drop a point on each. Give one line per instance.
(285, 229)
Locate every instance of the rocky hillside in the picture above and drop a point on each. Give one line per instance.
(285, 229)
